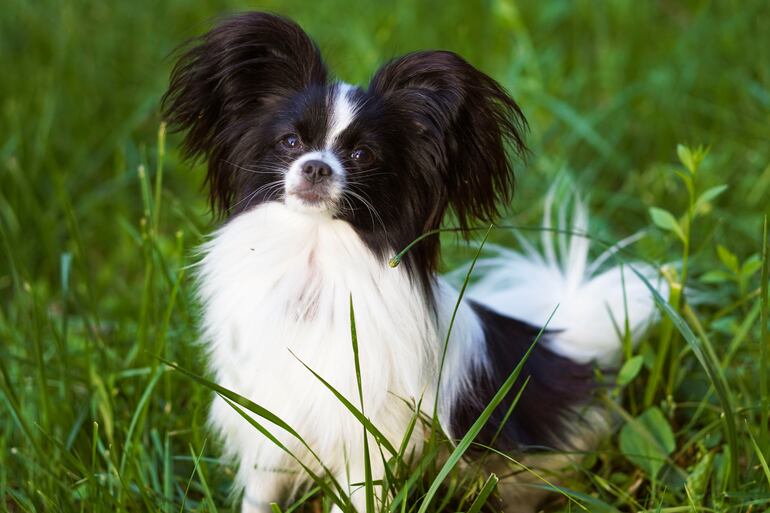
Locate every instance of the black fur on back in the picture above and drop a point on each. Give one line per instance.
(557, 387)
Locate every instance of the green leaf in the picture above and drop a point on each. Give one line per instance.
(585, 501)
(630, 370)
(687, 181)
(699, 477)
(708, 195)
(664, 220)
(690, 158)
(751, 266)
(647, 441)
(685, 157)
(728, 258)
(716, 276)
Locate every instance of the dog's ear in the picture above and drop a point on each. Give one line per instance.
(464, 121)
(234, 70)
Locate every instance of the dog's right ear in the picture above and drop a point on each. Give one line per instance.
(235, 69)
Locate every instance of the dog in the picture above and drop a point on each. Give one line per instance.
(320, 183)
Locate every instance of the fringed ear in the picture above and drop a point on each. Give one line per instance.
(465, 122)
(226, 76)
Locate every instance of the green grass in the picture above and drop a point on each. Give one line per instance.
(98, 226)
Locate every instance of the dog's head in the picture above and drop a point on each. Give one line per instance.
(428, 134)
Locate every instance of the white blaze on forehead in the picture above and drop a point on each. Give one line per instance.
(343, 112)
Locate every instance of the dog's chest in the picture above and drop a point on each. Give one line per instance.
(277, 289)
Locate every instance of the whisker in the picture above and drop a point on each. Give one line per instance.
(372, 211)
(242, 168)
(254, 194)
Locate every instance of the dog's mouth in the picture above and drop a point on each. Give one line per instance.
(316, 197)
(310, 197)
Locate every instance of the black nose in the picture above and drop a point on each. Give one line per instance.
(315, 171)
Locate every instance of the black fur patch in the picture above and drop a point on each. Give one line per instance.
(556, 387)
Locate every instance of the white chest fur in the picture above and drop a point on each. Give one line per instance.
(276, 286)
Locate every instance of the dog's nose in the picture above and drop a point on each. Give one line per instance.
(315, 171)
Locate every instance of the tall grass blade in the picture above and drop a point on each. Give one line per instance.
(358, 414)
(474, 430)
(12, 400)
(460, 296)
(764, 340)
(212, 507)
(428, 458)
(135, 418)
(369, 488)
(319, 480)
(760, 454)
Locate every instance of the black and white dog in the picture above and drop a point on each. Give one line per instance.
(321, 183)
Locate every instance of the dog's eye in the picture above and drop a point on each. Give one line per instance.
(361, 155)
(291, 142)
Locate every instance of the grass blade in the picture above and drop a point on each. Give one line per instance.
(454, 315)
(381, 439)
(760, 455)
(764, 341)
(316, 478)
(206, 491)
(476, 427)
(138, 412)
(369, 488)
(486, 491)
(235, 400)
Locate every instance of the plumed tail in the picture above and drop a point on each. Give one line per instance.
(595, 304)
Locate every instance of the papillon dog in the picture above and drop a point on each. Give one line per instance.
(320, 183)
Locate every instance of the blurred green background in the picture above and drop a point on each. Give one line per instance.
(91, 277)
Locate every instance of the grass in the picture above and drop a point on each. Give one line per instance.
(98, 225)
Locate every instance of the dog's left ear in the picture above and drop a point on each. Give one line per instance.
(464, 121)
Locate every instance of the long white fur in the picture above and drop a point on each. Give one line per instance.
(274, 282)
(590, 302)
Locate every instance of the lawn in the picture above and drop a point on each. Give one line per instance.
(658, 112)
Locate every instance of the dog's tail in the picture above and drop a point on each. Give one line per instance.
(597, 303)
